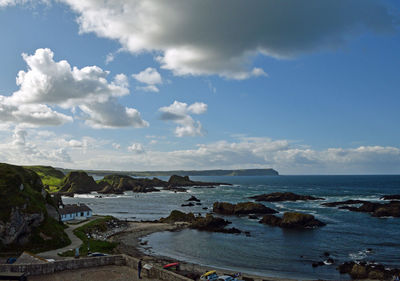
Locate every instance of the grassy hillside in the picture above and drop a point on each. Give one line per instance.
(21, 192)
(49, 176)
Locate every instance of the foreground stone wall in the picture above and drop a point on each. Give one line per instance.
(74, 264)
(70, 264)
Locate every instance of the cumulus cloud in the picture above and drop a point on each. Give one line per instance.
(149, 76)
(179, 113)
(48, 83)
(206, 37)
(30, 115)
(5, 3)
(136, 148)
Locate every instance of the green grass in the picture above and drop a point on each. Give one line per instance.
(49, 176)
(94, 245)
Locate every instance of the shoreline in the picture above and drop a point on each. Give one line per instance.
(130, 244)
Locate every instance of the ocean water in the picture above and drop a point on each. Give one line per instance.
(269, 250)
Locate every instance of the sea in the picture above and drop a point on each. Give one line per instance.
(269, 251)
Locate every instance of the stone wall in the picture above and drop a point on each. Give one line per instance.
(73, 264)
(155, 272)
(70, 264)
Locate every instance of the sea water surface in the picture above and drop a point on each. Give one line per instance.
(270, 251)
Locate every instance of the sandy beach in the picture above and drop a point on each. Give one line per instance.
(130, 244)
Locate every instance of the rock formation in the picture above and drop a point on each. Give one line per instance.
(376, 209)
(78, 182)
(283, 196)
(243, 208)
(292, 220)
(207, 223)
(27, 212)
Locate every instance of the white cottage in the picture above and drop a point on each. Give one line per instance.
(75, 212)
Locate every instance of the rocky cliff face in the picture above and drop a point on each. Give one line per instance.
(27, 212)
(79, 182)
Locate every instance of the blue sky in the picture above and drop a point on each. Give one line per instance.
(161, 85)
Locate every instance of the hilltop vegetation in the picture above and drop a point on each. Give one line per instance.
(50, 176)
(26, 211)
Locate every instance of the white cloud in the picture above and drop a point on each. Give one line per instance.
(149, 88)
(5, 3)
(191, 40)
(149, 76)
(116, 145)
(136, 148)
(30, 115)
(48, 83)
(179, 113)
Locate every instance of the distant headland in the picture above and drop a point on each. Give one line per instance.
(237, 172)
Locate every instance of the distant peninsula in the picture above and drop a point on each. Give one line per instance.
(182, 173)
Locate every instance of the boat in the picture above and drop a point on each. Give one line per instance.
(209, 276)
(172, 265)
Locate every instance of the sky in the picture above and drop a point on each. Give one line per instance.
(304, 87)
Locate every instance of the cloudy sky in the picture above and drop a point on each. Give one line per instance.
(304, 87)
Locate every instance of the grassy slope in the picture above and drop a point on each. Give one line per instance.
(49, 176)
(11, 178)
(94, 245)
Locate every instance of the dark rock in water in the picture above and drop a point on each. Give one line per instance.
(318, 263)
(391, 197)
(198, 204)
(271, 220)
(391, 209)
(193, 198)
(207, 223)
(247, 233)
(241, 208)
(330, 261)
(283, 196)
(253, 217)
(327, 254)
(178, 181)
(205, 208)
(178, 216)
(292, 220)
(364, 270)
(118, 184)
(187, 205)
(341, 203)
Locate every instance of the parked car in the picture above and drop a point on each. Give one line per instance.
(227, 278)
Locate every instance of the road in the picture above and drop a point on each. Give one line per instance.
(75, 242)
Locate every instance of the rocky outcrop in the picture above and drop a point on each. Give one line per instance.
(27, 212)
(292, 220)
(118, 184)
(341, 203)
(376, 209)
(207, 223)
(283, 196)
(391, 197)
(178, 181)
(79, 182)
(243, 208)
(193, 198)
(364, 270)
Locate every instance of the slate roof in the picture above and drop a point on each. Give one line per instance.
(74, 208)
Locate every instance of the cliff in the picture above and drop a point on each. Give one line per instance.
(78, 182)
(28, 214)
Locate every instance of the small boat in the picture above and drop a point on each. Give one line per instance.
(209, 276)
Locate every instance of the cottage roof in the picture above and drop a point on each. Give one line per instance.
(74, 208)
